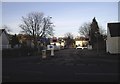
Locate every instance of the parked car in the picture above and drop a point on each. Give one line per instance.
(56, 47)
(79, 47)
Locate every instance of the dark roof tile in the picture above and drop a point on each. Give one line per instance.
(114, 29)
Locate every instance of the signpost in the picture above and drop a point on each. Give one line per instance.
(51, 47)
(43, 40)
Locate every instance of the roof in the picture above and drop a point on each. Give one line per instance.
(81, 39)
(1, 31)
(114, 29)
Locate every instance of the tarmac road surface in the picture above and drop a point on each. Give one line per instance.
(68, 65)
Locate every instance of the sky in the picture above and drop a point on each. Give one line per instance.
(119, 11)
(66, 16)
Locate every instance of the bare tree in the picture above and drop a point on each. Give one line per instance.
(69, 35)
(84, 29)
(102, 30)
(37, 25)
(69, 41)
(6, 28)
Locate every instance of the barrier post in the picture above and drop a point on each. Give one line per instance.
(52, 52)
(44, 54)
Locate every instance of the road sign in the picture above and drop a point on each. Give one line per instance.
(50, 47)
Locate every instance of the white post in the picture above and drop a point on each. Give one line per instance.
(44, 54)
(52, 52)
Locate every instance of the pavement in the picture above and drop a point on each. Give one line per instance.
(68, 65)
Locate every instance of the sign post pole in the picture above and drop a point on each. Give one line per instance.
(52, 52)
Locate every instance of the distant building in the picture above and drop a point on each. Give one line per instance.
(4, 39)
(26, 40)
(82, 41)
(58, 42)
(113, 38)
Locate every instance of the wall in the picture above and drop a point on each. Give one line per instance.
(113, 45)
(0, 42)
(5, 42)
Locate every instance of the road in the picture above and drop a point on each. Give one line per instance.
(68, 65)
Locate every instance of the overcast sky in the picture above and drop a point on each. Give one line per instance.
(67, 16)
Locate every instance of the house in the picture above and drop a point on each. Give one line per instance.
(113, 38)
(81, 41)
(4, 39)
(58, 42)
(26, 40)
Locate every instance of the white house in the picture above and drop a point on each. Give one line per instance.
(113, 38)
(82, 41)
(4, 40)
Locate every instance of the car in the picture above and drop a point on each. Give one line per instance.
(56, 47)
(79, 47)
